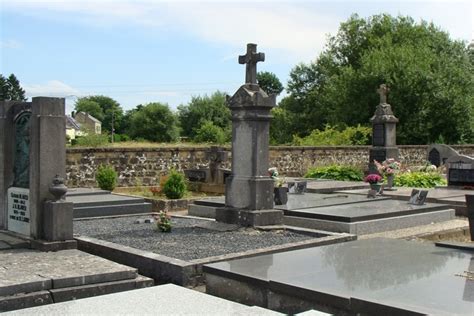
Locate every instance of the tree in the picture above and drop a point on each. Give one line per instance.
(269, 82)
(204, 109)
(154, 122)
(10, 89)
(110, 112)
(210, 133)
(430, 76)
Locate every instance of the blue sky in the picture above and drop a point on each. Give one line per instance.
(167, 51)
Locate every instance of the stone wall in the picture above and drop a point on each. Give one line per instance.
(144, 166)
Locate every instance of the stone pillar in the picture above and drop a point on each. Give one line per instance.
(47, 155)
(3, 185)
(384, 136)
(249, 189)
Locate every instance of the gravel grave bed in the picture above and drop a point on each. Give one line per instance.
(185, 242)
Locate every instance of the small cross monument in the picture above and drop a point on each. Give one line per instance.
(251, 59)
(384, 138)
(249, 189)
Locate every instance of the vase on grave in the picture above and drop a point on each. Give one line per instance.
(280, 195)
(375, 186)
(390, 179)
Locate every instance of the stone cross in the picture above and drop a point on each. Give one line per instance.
(383, 90)
(251, 59)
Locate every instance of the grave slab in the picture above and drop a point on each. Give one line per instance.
(330, 186)
(384, 275)
(403, 193)
(165, 299)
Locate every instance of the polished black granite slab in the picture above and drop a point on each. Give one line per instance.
(303, 201)
(365, 275)
(364, 211)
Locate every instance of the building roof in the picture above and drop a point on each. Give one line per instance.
(91, 117)
(72, 123)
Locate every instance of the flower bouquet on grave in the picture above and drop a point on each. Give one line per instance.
(280, 193)
(373, 179)
(388, 169)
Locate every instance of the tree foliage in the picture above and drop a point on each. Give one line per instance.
(204, 109)
(210, 133)
(103, 108)
(430, 77)
(10, 89)
(154, 122)
(269, 82)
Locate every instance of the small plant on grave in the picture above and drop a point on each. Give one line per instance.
(336, 172)
(155, 191)
(388, 167)
(163, 222)
(175, 185)
(106, 177)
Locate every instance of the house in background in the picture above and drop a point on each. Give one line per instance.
(73, 128)
(88, 122)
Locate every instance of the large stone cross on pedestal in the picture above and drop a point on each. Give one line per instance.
(383, 91)
(251, 59)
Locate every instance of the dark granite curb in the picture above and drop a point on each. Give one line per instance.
(164, 269)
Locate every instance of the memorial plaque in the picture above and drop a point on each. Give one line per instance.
(378, 136)
(19, 210)
(434, 157)
(195, 175)
(461, 176)
(418, 197)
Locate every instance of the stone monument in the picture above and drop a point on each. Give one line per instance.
(249, 189)
(384, 136)
(32, 157)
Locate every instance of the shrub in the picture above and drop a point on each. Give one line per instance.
(106, 178)
(419, 179)
(332, 136)
(175, 185)
(92, 140)
(210, 133)
(336, 172)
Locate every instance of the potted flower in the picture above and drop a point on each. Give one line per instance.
(388, 168)
(280, 193)
(373, 179)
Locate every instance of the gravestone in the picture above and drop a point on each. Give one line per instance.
(249, 189)
(213, 178)
(460, 170)
(32, 155)
(439, 153)
(384, 138)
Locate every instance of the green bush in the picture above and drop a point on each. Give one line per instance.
(106, 178)
(419, 179)
(175, 185)
(210, 133)
(332, 136)
(92, 140)
(336, 172)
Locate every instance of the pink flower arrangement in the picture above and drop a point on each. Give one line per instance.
(389, 166)
(372, 178)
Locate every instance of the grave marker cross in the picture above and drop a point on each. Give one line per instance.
(383, 91)
(251, 59)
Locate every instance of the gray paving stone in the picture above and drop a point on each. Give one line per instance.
(166, 299)
(21, 301)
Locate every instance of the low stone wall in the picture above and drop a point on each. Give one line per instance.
(144, 166)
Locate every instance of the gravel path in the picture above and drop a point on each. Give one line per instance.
(185, 242)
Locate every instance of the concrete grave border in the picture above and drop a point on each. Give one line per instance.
(165, 269)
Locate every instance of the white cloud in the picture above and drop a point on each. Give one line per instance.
(13, 44)
(53, 88)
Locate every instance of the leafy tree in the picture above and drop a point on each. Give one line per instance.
(110, 111)
(203, 109)
(269, 82)
(430, 76)
(154, 122)
(10, 89)
(210, 133)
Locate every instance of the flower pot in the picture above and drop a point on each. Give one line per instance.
(375, 186)
(389, 186)
(280, 195)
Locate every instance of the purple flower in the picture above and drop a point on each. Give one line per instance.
(372, 178)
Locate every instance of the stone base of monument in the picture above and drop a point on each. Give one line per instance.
(44, 245)
(251, 218)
